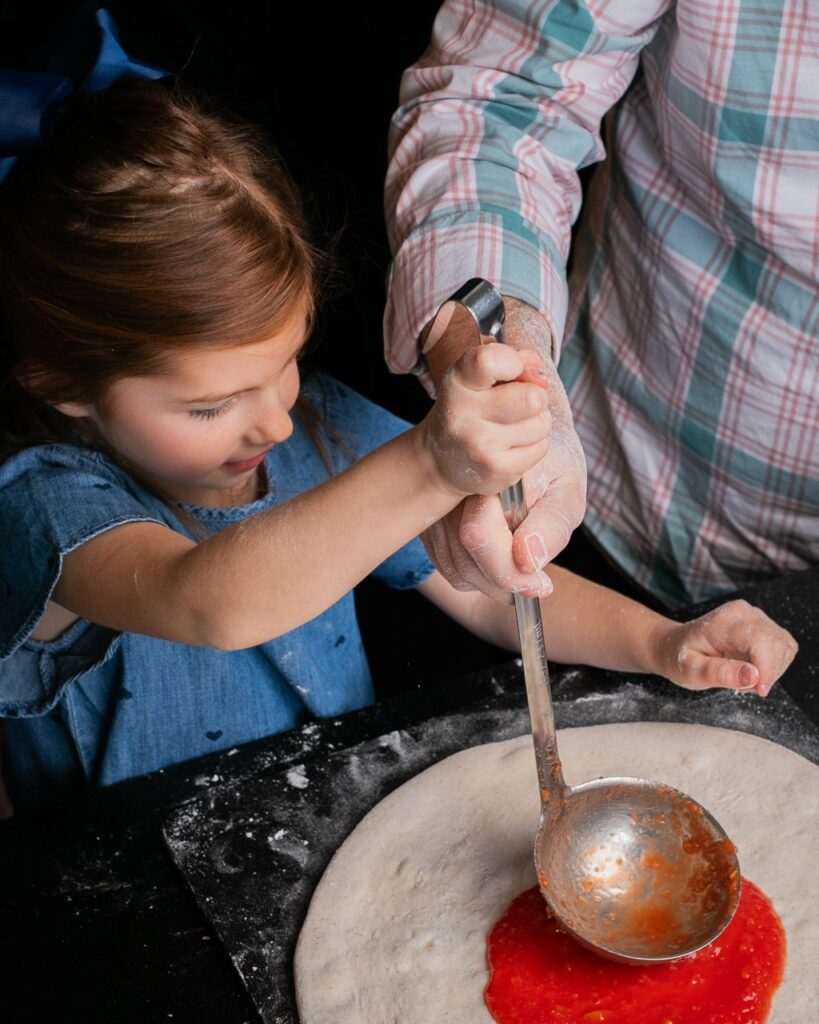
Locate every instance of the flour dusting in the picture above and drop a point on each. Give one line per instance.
(298, 777)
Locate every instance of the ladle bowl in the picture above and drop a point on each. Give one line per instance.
(636, 871)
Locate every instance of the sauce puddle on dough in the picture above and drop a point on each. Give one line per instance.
(539, 975)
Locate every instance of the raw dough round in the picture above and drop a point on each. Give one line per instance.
(396, 930)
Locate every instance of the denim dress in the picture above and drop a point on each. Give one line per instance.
(95, 705)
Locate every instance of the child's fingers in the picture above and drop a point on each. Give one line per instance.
(519, 459)
(490, 364)
(704, 672)
(773, 651)
(512, 402)
(748, 633)
(534, 372)
(524, 432)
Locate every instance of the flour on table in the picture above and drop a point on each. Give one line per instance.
(396, 930)
(298, 777)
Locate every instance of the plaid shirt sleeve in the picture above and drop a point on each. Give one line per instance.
(495, 120)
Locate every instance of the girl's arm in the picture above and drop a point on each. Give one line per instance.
(735, 646)
(281, 568)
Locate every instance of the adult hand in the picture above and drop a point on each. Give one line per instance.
(473, 547)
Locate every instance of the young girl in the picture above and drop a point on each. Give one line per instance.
(183, 521)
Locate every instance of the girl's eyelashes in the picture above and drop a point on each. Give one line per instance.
(210, 414)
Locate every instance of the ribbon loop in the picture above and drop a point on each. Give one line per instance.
(89, 59)
(26, 97)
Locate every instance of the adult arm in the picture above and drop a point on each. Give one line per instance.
(495, 121)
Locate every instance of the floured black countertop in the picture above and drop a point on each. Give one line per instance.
(253, 850)
(97, 922)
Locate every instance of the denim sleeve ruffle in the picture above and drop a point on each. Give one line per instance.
(407, 568)
(33, 679)
(53, 499)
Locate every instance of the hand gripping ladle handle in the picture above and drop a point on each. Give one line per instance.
(485, 305)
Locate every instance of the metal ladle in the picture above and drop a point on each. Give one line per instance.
(636, 871)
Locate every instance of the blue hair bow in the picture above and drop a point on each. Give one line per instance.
(88, 60)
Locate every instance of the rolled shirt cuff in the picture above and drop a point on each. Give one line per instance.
(437, 258)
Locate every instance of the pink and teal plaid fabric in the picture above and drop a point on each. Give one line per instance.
(691, 321)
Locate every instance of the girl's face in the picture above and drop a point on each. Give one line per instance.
(199, 430)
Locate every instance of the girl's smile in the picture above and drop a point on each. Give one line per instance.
(246, 465)
(199, 430)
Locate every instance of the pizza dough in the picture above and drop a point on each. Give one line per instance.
(397, 927)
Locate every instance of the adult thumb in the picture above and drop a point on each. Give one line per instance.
(547, 527)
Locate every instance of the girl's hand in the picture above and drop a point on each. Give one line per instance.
(490, 422)
(736, 646)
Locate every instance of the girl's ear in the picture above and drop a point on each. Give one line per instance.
(36, 383)
(78, 410)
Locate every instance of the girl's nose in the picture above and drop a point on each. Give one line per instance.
(273, 426)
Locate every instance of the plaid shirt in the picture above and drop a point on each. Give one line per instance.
(691, 319)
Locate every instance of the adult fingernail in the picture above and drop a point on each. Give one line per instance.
(536, 550)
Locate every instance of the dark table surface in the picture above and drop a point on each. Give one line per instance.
(97, 923)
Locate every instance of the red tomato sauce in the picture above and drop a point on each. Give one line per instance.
(539, 975)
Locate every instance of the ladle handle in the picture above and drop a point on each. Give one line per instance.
(485, 305)
(535, 669)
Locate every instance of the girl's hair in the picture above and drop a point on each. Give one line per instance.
(148, 225)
